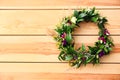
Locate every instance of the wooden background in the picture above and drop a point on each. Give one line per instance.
(27, 52)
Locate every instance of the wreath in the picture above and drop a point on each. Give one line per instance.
(66, 44)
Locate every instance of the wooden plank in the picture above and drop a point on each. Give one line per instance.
(44, 44)
(59, 68)
(31, 58)
(31, 22)
(58, 7)
(31, 3)
(54, 76)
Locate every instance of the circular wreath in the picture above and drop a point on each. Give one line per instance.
(81, 55)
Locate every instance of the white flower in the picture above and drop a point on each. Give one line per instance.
(97, 56)
(107, 34)
(73, 20)
(101, 41)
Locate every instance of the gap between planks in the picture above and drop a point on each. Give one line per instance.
(60, 8)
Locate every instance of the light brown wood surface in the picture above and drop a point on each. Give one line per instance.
(28, 52)
(38, 3)
(54, 76)
(39, 22)
(60, 68)
(44, 44)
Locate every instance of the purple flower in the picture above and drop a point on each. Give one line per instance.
(102, 40)
(106, 32)
(64, 42)
(63, 35)
(101, 53)
(75, 57)
(83, 58)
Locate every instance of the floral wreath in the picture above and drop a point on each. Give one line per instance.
(81, 55)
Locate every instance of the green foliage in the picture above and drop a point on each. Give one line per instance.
(77, 57)
(76, 13)
(68, 57)
(69, 37)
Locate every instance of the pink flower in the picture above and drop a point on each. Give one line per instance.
(106, 32)
(63, 35)
(102, 40)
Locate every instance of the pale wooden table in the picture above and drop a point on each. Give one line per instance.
(28, 53)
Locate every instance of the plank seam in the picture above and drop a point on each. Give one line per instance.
(56, 8)
(49, 35)
(53, 62)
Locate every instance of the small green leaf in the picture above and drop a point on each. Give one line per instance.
(68, 57)
(101, 46)
(76, 13)
(82, 15)
(93, 9)
(79, 63)
(79, 20)
(83, 47)
(97, 61)
(110, 49)
(90, 58)
(68, 37)
(60, 57)
(98, 51)
(105, 49)
(94, 19)
(100, 33)
(104, 20)
(90, 49)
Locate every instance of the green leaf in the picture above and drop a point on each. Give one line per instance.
(94, 19)
(93, 9)
(68, 37)
(80, 55)
(100, 33)
(59, 30)
(104, 20)
(100, 25)
(76, 13)
(101, 46)
(97, 61)
(110, 49)
(90, 49)
(99, 51)
(90, 58)
(105, 49)
(79, 20)
(68, 57)
(83, 47)
(60, 57)
(82, 15)
(79, 63)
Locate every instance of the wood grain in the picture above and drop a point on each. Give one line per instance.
(38, 22)
(31, 3)
(52, 58)
(59, 68)
(44, 44)
(27, 53)
(54, 76)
